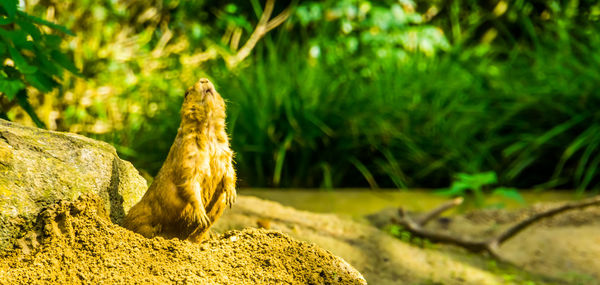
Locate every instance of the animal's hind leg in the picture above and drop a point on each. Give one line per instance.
(140, 220)
(198, 234)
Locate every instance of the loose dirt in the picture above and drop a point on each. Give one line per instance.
(77, 243)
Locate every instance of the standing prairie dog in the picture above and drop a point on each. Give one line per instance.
(197, 180)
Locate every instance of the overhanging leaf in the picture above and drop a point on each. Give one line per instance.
(10, 87)
(30, 29)
(10, 6)
(20, 61)
(6, 21)
(41, 81)
(48, 67)
(24, 103)
(62, 59)
(52, 41)
(45, 23)
(17, 37)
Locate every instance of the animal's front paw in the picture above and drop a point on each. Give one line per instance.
(230, 197)
(196, 216)
(204, 220)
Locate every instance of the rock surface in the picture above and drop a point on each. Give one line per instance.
(39, 167)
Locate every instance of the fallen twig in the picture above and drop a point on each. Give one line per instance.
(490, 245)
(439, 210)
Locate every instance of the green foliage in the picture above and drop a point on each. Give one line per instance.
(28, 56)
(412, 124)
(417, 122)
(382, 30)
(502, 26)
(351, 93)
(476, 187)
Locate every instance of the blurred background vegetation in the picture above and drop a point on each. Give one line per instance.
(349, 93)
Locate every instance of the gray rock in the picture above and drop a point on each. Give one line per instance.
(39, 167)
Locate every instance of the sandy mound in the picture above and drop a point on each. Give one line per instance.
(77, 243)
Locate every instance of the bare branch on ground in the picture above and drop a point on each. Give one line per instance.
(491, 245)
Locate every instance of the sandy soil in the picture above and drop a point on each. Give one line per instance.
(79, 245)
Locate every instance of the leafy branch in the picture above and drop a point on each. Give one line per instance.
(28, 57)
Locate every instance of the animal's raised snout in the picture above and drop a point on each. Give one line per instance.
(204, 85)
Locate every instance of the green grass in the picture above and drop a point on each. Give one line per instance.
(524, 105)
(532, 119)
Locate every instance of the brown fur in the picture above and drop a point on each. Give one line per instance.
(197, 180)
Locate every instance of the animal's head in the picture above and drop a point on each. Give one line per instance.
(202, 101)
